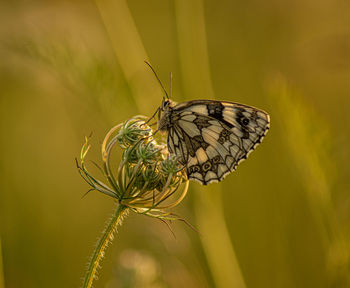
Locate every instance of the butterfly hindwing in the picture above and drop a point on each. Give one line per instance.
(212, 137)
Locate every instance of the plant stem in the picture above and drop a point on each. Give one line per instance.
(102, 244)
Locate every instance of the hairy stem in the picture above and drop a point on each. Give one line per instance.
(102, 244)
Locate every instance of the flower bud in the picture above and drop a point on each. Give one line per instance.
(148, 178)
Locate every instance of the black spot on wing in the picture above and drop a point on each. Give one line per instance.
(215, 110)
(244, 122)
(201, 122)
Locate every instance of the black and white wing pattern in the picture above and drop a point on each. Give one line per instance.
(212, 137)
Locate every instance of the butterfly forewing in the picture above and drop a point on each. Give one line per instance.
(212, 137)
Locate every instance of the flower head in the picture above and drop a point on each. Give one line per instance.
(148, 179)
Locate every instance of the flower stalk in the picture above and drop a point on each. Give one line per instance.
(107, 237)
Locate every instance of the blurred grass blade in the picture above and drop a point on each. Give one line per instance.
(192, 43)
(216, 241)
(309, 140)
(130, 52)
(2, 277)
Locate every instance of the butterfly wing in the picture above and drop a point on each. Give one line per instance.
(212, 137)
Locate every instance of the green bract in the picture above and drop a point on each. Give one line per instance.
(131, 131)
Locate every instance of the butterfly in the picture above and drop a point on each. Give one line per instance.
(209, 137)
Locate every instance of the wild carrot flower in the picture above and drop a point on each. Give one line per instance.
(148, 180)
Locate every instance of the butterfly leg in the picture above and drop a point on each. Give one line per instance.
(152, 116)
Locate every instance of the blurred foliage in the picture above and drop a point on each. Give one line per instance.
(69, 69)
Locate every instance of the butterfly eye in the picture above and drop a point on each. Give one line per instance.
(164, 103)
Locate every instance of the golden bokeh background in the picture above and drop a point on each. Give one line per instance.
(69, 68)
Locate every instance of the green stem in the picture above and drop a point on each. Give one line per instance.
(102, 244)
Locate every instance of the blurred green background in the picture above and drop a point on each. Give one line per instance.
(69, 69)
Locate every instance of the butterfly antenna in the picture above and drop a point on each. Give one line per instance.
(154, 72)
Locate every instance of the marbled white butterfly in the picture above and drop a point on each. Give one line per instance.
(209, 137)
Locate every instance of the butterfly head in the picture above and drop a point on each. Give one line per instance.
(164, 113)
(167, 104)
